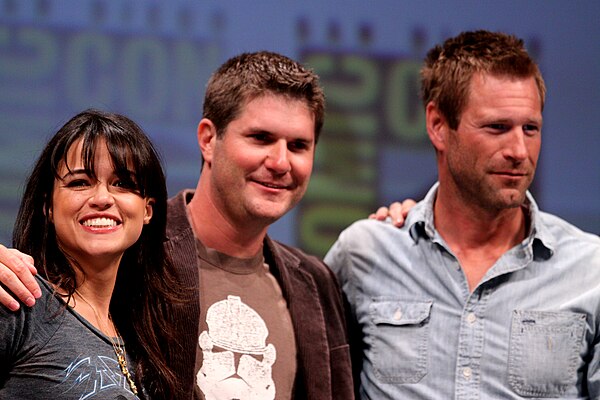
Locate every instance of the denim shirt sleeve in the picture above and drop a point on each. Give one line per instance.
(593, 374)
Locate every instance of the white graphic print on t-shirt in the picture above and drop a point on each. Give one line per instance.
(90, 377)
(235, 332)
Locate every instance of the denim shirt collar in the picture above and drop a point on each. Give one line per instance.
(540, 239)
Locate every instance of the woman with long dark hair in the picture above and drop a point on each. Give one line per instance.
(93, 218)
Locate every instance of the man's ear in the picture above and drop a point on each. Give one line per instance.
(437, 126)
(207, 136)
(149, 210)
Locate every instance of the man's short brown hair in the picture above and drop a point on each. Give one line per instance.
(449, 69)
(250, 75)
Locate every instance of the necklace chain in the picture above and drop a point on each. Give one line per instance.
(118, 347)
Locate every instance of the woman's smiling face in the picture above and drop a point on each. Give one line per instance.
(96, 217)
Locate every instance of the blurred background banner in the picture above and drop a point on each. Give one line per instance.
(150, 60)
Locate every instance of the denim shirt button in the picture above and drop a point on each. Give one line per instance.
(467, 372)
(471, 318)
(398, 315)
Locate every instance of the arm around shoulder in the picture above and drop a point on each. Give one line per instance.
(16, 275)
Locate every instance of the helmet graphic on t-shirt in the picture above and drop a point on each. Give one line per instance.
(236, 332)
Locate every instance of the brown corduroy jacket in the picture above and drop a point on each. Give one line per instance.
(313, 298)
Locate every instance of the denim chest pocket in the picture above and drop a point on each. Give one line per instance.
(544, 352)
(398, 338)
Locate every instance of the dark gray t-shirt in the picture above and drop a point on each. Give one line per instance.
(49, 352)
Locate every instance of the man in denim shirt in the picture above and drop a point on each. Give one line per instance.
(480, 295)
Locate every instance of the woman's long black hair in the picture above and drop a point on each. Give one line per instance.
(145, 285)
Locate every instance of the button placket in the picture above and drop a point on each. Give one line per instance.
(470, 346)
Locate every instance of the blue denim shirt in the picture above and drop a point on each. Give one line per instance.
(530, 329)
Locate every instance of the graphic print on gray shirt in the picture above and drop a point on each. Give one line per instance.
(49, 352)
